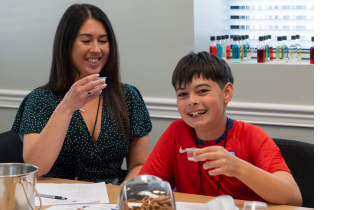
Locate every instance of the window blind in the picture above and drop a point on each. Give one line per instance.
(271, 17)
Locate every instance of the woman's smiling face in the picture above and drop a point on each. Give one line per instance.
(90, 48)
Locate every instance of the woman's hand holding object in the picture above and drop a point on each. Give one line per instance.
(82, 92)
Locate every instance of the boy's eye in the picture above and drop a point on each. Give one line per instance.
(182, 94)
(203, 91)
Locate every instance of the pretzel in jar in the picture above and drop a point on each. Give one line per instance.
(148, 203)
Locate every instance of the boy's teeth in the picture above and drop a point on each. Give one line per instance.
(194, 114)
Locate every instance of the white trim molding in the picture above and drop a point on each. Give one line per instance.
(254, 113)
(12, 98)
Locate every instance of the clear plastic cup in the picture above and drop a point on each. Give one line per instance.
(100, 78)
(222, 202)
(190, 152)
(254, 205)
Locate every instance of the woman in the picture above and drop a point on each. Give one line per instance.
(77, 127)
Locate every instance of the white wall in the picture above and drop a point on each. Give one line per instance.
(274, 83)
(152, 36)
(262, 85)
(208, 21)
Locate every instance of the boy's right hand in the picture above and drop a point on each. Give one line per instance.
(78, 95)
(219, 160)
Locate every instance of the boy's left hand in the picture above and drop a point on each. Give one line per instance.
(218, 159)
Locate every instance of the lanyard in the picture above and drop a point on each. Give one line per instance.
(77, 170)
(199, 165)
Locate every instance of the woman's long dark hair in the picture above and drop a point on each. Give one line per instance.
(62, 72)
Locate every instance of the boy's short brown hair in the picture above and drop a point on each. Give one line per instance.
(202, 64)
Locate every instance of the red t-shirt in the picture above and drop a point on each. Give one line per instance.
(246, 141)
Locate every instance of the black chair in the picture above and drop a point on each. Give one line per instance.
(299, 157)
(11, 148)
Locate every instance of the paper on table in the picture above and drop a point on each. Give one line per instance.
(179, 206)
(76, 193)
(89, 207)
(190, 206)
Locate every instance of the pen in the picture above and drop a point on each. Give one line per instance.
(53, 197)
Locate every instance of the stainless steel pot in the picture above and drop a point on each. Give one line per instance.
(17, 186)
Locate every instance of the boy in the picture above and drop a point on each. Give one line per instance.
(234, 158)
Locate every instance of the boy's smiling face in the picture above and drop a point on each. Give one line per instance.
(202, 104)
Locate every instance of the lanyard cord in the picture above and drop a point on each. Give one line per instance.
(199, 165)
(76, 170)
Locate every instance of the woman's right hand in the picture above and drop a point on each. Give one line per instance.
(42, 149)
(78, 95)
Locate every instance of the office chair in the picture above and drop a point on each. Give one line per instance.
(299, 157)
(11, 148)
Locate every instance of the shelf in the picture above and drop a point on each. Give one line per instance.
(266, 19)
(227, 29)
(274, 62)
(270, 9)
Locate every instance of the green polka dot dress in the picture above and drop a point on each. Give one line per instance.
(93, 162)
